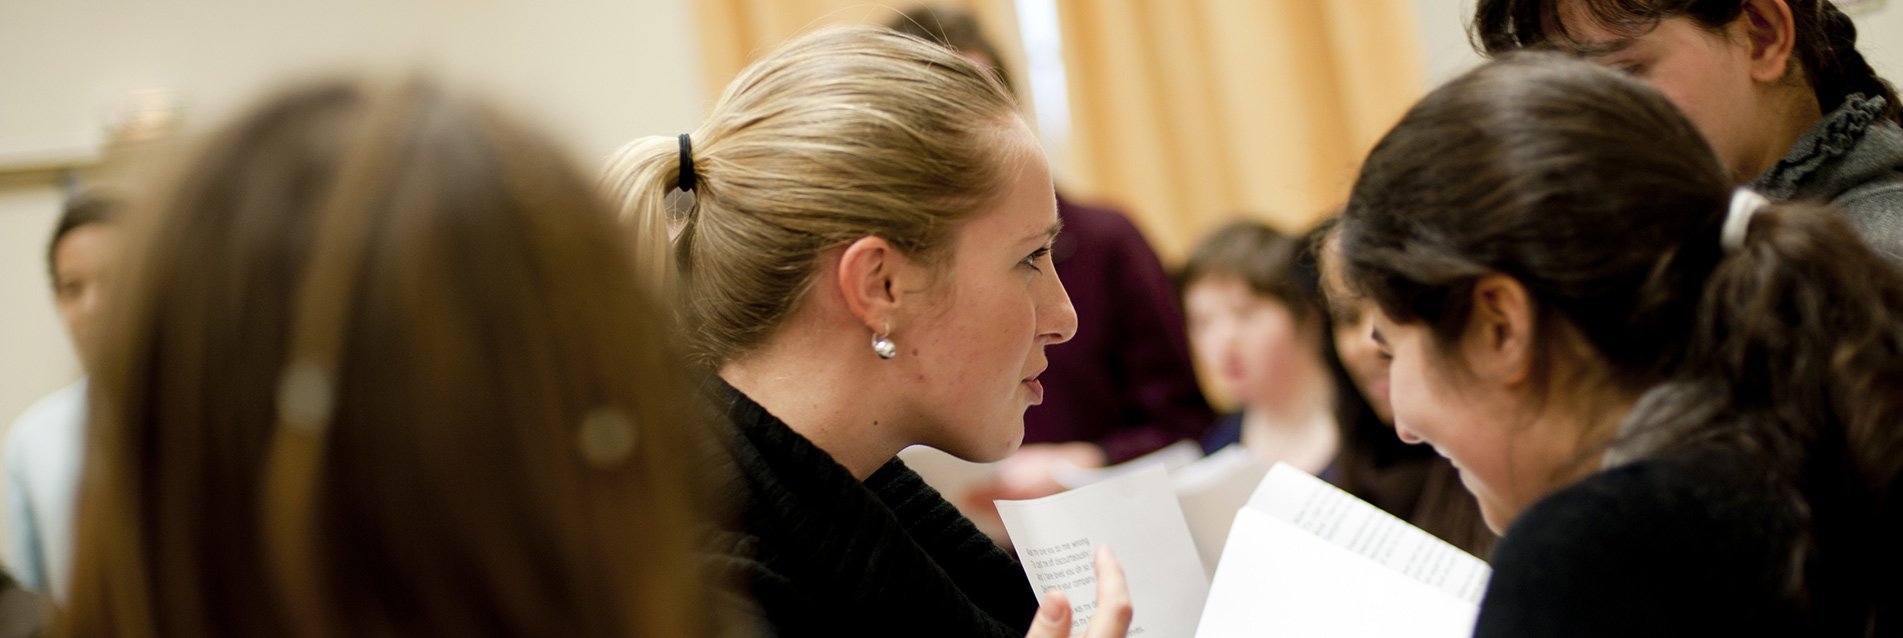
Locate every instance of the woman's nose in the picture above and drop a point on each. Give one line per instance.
(1056, 314)
(1407, 436)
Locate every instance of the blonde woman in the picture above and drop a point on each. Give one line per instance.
(864, 267)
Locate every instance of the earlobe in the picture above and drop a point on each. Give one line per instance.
(1771, 34)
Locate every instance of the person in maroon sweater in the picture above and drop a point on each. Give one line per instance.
(1124, 386)
(1125, 381)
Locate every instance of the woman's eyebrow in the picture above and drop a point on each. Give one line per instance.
(1604, 47)
(1047, 233)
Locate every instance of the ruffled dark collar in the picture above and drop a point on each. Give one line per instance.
(1824, 145)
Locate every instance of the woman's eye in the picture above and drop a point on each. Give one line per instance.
(1031, 260)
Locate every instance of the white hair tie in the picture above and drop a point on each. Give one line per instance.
(1745, 203)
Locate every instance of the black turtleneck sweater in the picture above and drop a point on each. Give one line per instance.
(826, 555)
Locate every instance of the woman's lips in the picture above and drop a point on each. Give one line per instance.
(1037, 390)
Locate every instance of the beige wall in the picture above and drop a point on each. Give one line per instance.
(593, 72)
(1443, 39)
(37, 358)
(1880, 38)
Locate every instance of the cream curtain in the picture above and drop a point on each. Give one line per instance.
(1184, 113)
(1190, 113)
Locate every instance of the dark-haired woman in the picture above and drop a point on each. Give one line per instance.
(1677, 400)
(1776, 86)
(1257, 322)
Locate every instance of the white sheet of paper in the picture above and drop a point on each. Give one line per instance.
(1136, 515)
(1211, 491)
(1172, 456)
(1280, 580)
(1326, 511)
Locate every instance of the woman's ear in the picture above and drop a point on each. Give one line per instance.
(1499, 342)
(1772, 36)
(868, 279)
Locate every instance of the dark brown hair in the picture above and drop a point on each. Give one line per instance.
(1271, 263)
(83, 209)
(1589, 189)
(382, 366)
(1826, 39)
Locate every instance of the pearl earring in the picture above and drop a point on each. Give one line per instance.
(883, 346)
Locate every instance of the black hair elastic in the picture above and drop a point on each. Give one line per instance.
(687, 177)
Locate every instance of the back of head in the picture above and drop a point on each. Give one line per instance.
(952, 27)
(381, 366)
(843, 133)
(1825, 38)
(1589, 189)
(1518, 168)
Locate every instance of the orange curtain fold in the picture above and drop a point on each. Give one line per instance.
(1189, 113)
(735, 32)
(1184, 114)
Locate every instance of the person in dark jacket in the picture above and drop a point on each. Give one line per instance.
(864, 266)
(1675, 398)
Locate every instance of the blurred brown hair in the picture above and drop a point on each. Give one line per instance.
(955, 28)
(1271, 263)
(382, 366)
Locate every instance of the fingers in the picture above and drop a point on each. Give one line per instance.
(1111, 619)
(1053, 617)
(1113, 611)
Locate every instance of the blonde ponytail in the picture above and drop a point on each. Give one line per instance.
(843, 133)
(636, 182)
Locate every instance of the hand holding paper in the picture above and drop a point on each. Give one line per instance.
(1111, 618)
(1137, 513)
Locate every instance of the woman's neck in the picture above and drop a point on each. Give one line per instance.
(1794, 111)
(822, 393)
(1594, 419)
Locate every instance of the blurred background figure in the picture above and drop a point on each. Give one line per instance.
(43, 449)
(1409, 481)
(379, 364)
(1257, 329)
(1124, 385)
(1260, 324)
(1779, 88)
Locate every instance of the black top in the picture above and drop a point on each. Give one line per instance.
(1694, 546)
(826, 555)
